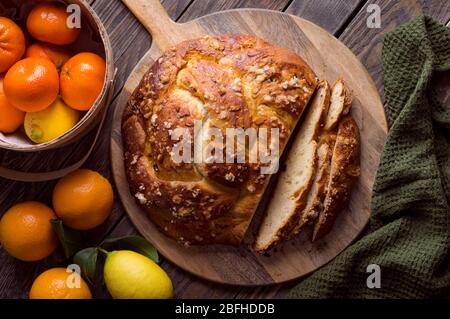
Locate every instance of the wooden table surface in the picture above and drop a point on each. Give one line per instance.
(346, 19)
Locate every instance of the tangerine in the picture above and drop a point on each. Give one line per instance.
(32, 84)
(82, 79)
(55, 283)
(10, 117)
(58, 55)
(83, 199)
(12, 43)
(49, 23)
(26, 233)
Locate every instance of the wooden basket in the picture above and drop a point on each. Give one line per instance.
(20, 143)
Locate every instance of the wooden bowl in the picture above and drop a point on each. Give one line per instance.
(93, 38)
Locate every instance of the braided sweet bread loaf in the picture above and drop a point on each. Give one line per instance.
(230, 81)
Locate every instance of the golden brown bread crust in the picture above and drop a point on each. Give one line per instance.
(345, 167)
(230, 81)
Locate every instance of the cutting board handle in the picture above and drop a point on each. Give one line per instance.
(155, 19)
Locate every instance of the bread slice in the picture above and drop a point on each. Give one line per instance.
(293, 185)
(345, 166)
(317, 193)
(340, 103)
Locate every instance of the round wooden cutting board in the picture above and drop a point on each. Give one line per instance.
(329, 59)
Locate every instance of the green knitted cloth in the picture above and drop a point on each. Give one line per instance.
(409, 233)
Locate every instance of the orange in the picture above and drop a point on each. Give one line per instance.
(48, 23)
(58, 55)
(32, 84)
(26, 233)
(57, 283)
(10, 117)
(82, 79)
(12, 43)
(83, 199)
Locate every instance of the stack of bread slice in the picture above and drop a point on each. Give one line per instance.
(320, 169)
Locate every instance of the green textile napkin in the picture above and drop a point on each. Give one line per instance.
(409, 233)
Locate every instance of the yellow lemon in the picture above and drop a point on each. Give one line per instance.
(129, 275)
(50, 123)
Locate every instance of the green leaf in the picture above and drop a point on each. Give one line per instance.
(87, 260)
(134, 243)
(70, 239)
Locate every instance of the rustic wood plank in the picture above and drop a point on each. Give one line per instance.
(17, 276)
(367, 43)
(200, 8)
(124, 34)
(121, 25)
(125, 30)
(329, 14)
(176, 7)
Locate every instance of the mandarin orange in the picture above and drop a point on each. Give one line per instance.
(83, 199)
(12, 43)
(10, 117)
(82, 79)
(48, 23)
(32, 84)
(26, 233)
(57, 54)
(55, 283)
